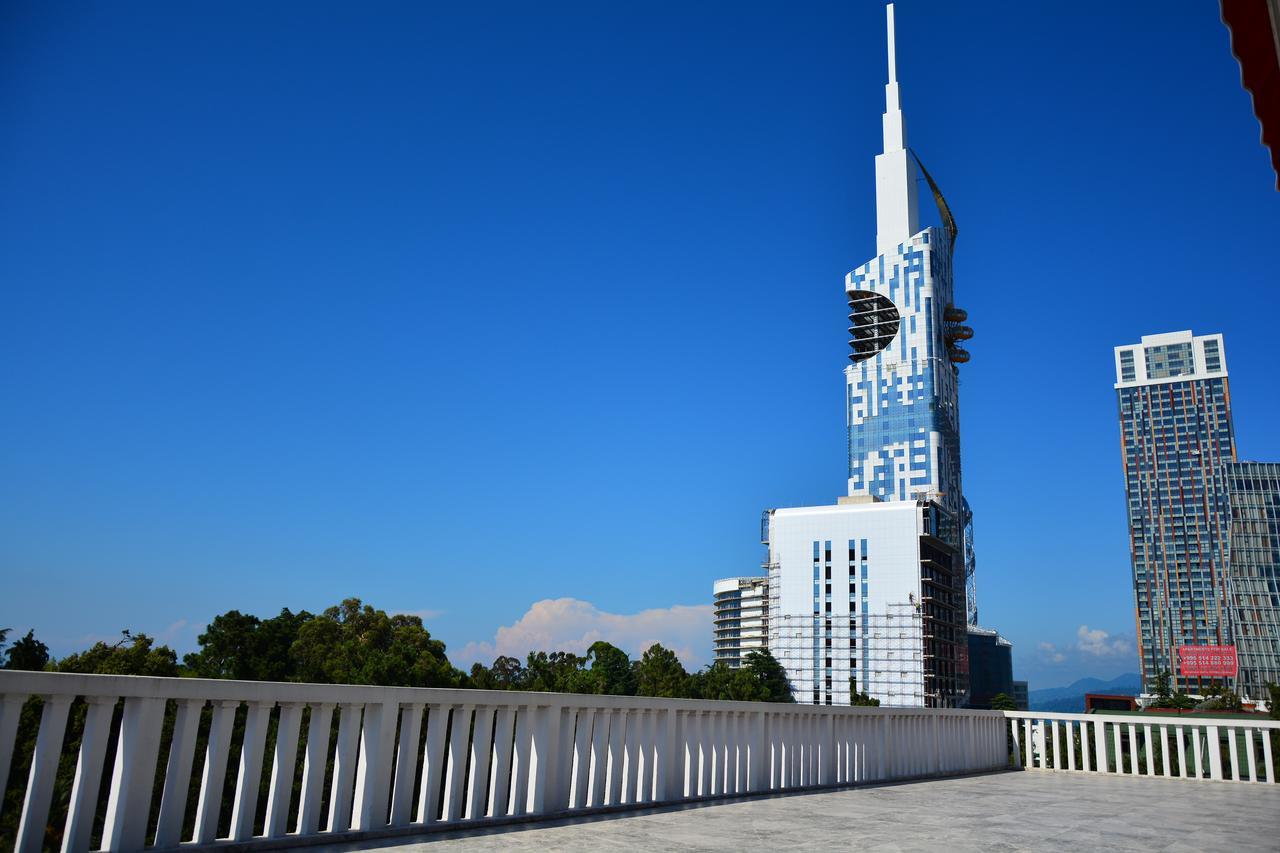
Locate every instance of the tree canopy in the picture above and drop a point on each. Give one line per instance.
(355, 643)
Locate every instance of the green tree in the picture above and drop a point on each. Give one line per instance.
(556, 672)
(507, 673)
(27, 653)
(1220, 698)
(611, 672)
(134, 654)
(1163, 693)
(772, 677)
(236, 645)
(858, 698)
(1002, 702)
(660, 673)
(720, 681)
(356, 644)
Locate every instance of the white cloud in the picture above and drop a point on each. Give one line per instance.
(1099, 643)
(1049, 653)
(424, 615)
(1090, 644)
(572, 625)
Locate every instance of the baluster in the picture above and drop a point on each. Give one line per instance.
(1164, 752)
(93, 749)
(707, 767)
(1179, 733)
(10, 710)
(1266, 757)
(44, 768)
(551, 731)
(742, 767)
(773, 731)
(433, 763)
(631, 757)
(373, 771)
(522, 746)
(1149, 747)
(1100, 745)
(581, 758)
(599, 766)
(794, 754)
(719, 753)
(248, 780)
(665, 756)
(455, 771)
(813, 748)
(284, 759)
(644, 757)
(215, 770)
(1118, 737)
(313, 767)
(1057, 750)
(133, 778)
(1233, 753)
(1215, 752)
(344, 766)
(1197, 738)
(1249, 754)
(613, 774)
(478, 774)
(177, 778)
(844, 749)
(1042, 760)
(1017, 747)
(500, 778)
(729, 750)
(561, 760)
(778, 750)
(1071, 744)
(406, 763)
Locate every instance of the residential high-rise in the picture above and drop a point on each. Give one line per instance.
(741, 618)
(1175, 436)
(869, 594)
(1253, 578)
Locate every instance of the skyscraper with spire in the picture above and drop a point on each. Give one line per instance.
(868, 595)
(902, 386)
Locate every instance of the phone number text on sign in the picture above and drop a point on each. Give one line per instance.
(1211, 661)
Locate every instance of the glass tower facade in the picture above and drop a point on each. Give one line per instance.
(902, 389)
(1176, 435)
(1254, 577)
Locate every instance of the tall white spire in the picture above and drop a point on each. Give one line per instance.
(897, 216)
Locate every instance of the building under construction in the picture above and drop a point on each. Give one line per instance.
(885, 658)
(868, 597)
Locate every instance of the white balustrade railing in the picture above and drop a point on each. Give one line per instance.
(160, 762)
(1216, 748)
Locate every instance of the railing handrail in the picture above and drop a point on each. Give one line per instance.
(18, 682)
(376, 759)
(1147, 719)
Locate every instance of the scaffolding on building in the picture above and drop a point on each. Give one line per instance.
(827, 657)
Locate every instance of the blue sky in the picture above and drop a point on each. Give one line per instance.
(461, 309)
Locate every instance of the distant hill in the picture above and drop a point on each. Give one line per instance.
(1070, 699)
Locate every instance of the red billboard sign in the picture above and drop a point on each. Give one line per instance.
(1206, 661)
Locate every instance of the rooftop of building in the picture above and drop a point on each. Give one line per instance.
(1000, 811)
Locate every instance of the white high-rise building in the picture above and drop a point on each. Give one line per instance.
(869, 594)
(741, 618)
